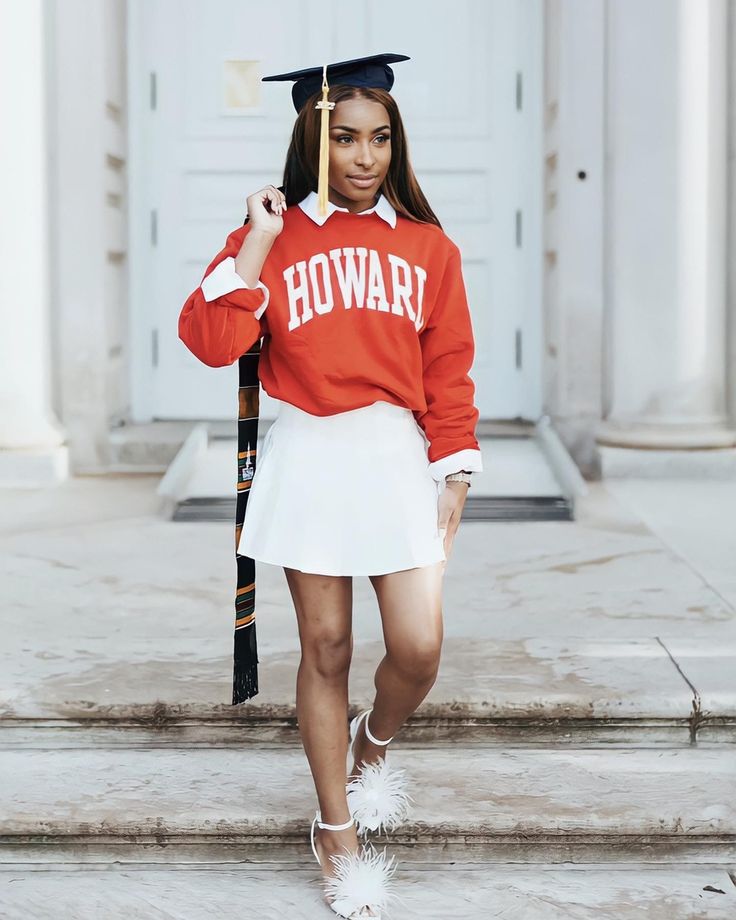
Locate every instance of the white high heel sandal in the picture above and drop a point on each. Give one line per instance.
(359, 889)
(378, 795)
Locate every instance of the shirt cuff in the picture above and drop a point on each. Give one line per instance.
(223, 279)
(467, 459)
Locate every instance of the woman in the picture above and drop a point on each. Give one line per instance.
(367, 342)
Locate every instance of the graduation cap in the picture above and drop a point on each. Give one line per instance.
(372, 71)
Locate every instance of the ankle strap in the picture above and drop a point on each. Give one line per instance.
(372, 737)
(334, 827)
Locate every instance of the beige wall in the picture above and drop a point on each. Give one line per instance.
(87, 164)
(635, 326)
(573, 224)
(731, 364)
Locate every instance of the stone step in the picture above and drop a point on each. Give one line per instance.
(430, 891)
(472, 797)
(658, 690)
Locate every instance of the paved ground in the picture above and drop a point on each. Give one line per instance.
(109, 608)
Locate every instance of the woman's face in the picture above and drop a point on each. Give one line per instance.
(360, 145)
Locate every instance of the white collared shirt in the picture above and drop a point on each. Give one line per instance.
(382, 207)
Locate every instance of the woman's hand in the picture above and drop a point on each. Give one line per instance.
(449, 509)
(265, 209)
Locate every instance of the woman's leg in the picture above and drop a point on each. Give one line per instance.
(410, 602)
(324, 610)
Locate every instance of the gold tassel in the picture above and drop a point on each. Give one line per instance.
(324, 141)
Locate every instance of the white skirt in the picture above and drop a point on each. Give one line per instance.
(344, 494)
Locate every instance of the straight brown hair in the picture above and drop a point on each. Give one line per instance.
(400, 187)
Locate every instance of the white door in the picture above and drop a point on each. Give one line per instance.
(205, 133)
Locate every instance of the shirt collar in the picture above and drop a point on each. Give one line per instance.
(383, 208)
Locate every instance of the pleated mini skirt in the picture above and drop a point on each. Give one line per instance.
(343, 494)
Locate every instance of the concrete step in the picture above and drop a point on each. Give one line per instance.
(469, 797)
(556, 689)
(431, 891)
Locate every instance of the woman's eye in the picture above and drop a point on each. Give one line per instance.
(344, 137)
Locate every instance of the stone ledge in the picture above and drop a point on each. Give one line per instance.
(632, 463)
(526, 686)
(431, 890)
(260, 794)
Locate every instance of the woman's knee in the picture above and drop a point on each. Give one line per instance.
(418, 659)
(328, 654)
(323, 605)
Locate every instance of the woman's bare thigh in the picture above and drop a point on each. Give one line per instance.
(410, 603)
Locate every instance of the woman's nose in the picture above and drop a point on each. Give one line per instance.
(365, 154)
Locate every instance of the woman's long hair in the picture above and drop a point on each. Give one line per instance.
(400, 186)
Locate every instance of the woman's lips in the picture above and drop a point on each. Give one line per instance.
(362, 183)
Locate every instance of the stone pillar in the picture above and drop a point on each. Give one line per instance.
(666, 226)
(32, 450)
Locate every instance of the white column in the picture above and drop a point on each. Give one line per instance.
(666, 225)
(32, 450)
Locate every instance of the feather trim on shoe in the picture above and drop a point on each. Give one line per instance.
(361, 879)
(378, 797)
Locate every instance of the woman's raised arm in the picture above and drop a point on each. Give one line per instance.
(221, 319)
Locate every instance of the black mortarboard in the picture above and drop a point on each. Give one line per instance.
(365, 71)
(372, 71)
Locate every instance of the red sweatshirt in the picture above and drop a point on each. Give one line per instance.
(352, 308)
